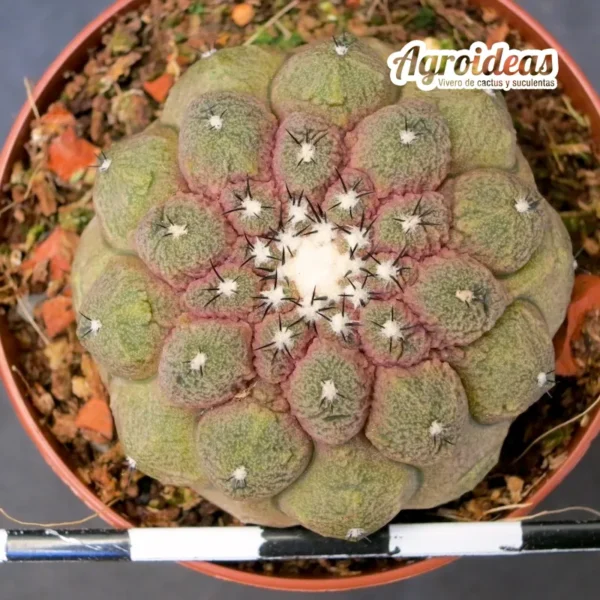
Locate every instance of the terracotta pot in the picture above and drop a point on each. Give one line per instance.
(47, 90)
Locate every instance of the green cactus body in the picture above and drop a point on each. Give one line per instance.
(418, 414)
(341, 82)
(243, 70)
(136, 174)
(413, 143)
(501, 232)
(205, 363)
(464, 467)
(415, 224)
(279, 341)
(547, 279)
(308, 151)
(350, 490)
(125, 317)
(250, 451)
(159, 435)
(263, 511)
(501, 384)
(225, 137)
(481, 130)
(352, 194)
(392, 335)
(317, 303)
(457, 298)
(522, 169)
(90, 261)
(329, 392)
(183, 238)
(252, 208)
(228, 292)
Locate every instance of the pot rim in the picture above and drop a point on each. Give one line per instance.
(585, 98)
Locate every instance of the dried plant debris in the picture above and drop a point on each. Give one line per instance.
(48, 202)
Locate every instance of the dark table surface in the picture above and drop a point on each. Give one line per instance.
(32, 32)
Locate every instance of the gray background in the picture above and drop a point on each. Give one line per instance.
(32, 32)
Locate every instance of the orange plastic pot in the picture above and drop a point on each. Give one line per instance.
(47, 90)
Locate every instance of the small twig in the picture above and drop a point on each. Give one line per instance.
(16, 370)
(271, 21)
(498, 509)
(25, 309)
(85, 199)
(8, 207)
(30, 182)
(560, 426)
(544, 513)
(63, 523)
(371, 10)
(582, 120)
(558, 511)
(29, 317)
(555, 155)
(284, 30)
(386, 11)
(377, 29)
(30, 99)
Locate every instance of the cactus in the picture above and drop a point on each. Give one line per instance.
(318, 299)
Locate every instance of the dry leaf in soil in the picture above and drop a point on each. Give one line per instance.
(59, 353)
(56, 120)
(159, 87)
(69, 154)
(242, 14)
(92, 377)
(515, 487)
(45, 194)
(58, 250)
(57, 314)
(42, 400)
(497, 34)
(64, 427)
(95, 420)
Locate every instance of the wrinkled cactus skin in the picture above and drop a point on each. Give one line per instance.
(318, 299)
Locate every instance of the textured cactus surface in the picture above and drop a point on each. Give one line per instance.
(317, 298)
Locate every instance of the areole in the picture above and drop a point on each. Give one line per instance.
(576, 86)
